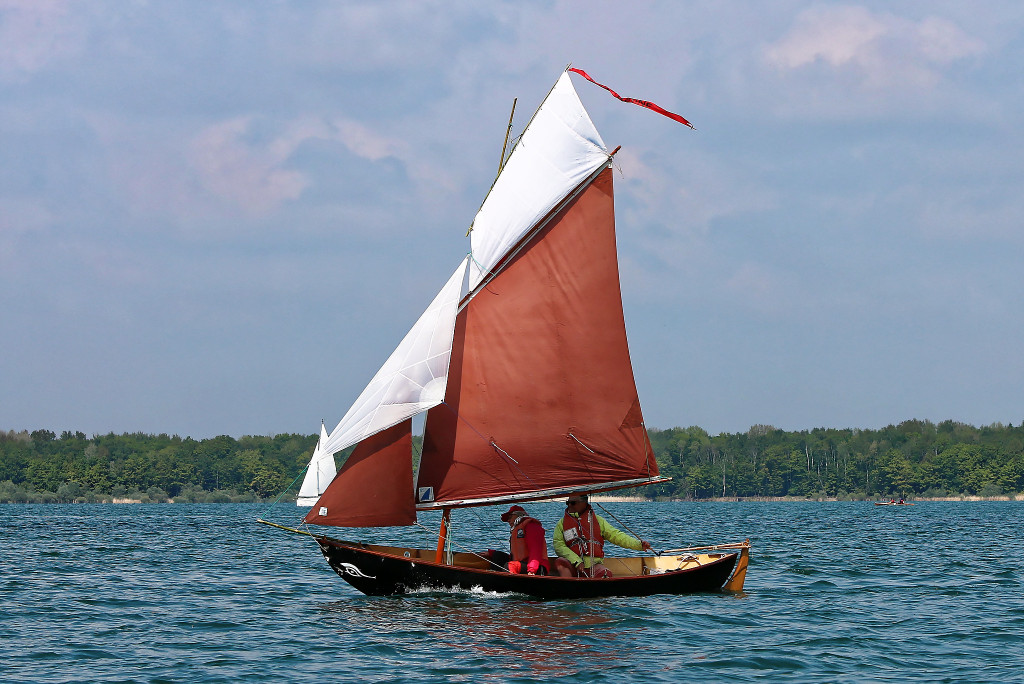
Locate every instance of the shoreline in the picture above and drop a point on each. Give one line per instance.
(806, 499)
(828, 499)
(637, 499)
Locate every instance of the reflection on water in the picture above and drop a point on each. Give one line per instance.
(531, 638)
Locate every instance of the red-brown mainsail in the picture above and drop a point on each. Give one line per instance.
(540, 389)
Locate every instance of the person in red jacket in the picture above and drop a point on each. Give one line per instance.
(527, 542)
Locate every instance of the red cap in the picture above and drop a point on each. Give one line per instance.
(512, 512)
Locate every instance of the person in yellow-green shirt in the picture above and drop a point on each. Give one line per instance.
(579, 540)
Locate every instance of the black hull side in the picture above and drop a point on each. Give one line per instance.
(379, 574)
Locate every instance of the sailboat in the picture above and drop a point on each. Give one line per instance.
(521, 368)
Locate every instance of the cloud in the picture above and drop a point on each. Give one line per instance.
(367, 37)
(968, 214)
(365, 142)
(760, 289)
(33, 34)
(246, 175)
(676, 214)
(19, 217)
(880, 50)
(236, 165)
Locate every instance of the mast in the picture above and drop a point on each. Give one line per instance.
(508, 131)
(443, 538)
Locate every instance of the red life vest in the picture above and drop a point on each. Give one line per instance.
(517, 539)
(583, 534)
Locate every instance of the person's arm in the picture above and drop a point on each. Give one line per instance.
(618, 537)
(561, 548)
(536, 547)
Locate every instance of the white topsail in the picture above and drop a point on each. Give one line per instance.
(559, 150)
(319, 473)
(414, 377)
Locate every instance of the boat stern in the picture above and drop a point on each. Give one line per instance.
(739, 573)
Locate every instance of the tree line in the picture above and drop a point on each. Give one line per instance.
(913, 458)
(40, 466)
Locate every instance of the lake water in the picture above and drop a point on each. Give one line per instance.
(836, 592)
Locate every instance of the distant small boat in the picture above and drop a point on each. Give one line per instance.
(893, 503)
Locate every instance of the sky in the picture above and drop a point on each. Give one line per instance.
(220, 217)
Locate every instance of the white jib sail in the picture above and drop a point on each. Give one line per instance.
(414, 377)
(559, 150)
(319, 473)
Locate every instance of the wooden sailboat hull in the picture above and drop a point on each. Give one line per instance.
(377, 573)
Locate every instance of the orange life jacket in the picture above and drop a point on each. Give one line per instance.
(583, 534)
(517, 539)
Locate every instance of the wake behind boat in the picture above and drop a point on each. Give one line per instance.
(522, 368)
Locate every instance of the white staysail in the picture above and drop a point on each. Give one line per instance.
(414, 377)
(559, 150)
(319, 473)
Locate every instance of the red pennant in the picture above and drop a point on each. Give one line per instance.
(642, 103)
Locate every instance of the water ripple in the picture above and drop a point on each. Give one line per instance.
(842, 592)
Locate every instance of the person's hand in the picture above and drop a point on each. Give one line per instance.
(645, 545)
